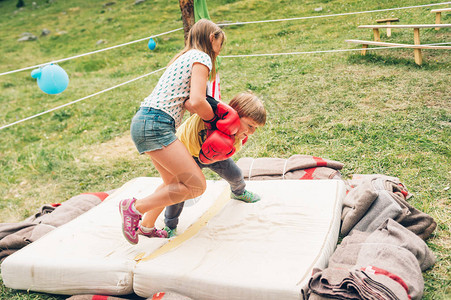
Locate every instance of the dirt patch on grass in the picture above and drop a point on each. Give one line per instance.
(117, 148)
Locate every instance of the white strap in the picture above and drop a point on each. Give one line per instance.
(81, 99)
(284, 168)
(92, 52)
(250, 168)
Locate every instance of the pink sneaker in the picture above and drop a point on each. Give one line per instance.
(130, 220)
(158, 233)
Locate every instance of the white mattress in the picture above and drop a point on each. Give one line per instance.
(225, 249)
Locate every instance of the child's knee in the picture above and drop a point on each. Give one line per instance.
(198, 188)
(195, 183)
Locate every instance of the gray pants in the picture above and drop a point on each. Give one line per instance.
(227, 169)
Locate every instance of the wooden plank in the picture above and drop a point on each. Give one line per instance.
(376, 43)
(407, 26)
(363, 42)
(387, 20)
(440, 10)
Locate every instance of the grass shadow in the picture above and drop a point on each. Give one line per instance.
(386, 60)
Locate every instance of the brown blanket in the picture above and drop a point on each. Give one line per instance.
(14, 236)
(374, 198)
(95, 297)
(156, 296)
(295, 167)
(387, 263)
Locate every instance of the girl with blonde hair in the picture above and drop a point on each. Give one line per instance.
(182, 87)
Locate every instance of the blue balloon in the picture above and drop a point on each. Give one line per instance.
(52, 79)
(151, 44)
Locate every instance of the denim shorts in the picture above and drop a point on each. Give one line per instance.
(152, 129)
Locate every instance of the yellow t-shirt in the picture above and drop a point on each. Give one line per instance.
(192, 134)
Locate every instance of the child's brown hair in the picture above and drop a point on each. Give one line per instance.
(248, 105)
(199, 38)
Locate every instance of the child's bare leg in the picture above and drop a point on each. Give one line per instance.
(149, 216)
(182, 177)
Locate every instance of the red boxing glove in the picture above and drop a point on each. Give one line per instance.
(226, 119)
(229, 121)
(218, 146)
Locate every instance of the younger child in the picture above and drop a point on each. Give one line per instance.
(193, 134)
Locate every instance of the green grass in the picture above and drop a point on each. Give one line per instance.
(378, 113)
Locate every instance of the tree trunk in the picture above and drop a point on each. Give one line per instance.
(187, 8)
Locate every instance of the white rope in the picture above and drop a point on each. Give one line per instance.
(284, 169)
(333, 15)
(250, 168)
(227, 56)
(89, 53)
(228, 24)
(329, 51)
(81, 99)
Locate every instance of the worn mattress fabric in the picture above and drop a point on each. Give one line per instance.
(14, 236)
(266, 250)
(89, 255)
(237, 251)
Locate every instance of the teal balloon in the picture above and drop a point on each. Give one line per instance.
(151, 44)
(52, 79)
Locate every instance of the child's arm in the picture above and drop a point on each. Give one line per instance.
(196, 102)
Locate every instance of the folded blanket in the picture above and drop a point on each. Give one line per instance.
(355, 284)
(383, 208)
(373, 198)
(94, 297)
(72, 208)
(14, 236)
(156, 296)
(295, 167)
(15, 241)
(384, 264)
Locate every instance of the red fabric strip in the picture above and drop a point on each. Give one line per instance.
(99, 297)
(213, 89)
(308, 174)
(404, 193)
(158, 296)
(392, 276)
(349, 190)
(320, 162)
(101, 195)
(219, 90)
